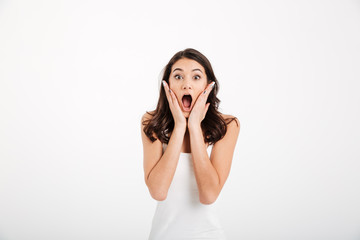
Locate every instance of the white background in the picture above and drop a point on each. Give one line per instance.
(76, 77)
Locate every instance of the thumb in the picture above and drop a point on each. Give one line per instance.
(207, 107)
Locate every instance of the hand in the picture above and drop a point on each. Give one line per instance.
(175, 109)
(200, 107)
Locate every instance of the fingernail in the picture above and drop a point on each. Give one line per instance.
(212, 84)
(204, 91)
(169, 90)
(163, 82)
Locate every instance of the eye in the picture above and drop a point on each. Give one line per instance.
(178, 77)
(197, 77)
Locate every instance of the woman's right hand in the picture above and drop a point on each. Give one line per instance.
(179, 119)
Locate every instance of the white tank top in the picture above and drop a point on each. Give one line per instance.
(181, 215)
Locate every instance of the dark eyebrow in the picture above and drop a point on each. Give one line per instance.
(196, 69)
(178, 69)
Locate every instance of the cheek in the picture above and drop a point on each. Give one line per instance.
(207, 83)
(204, 84)
(175, 88)
(202, 87)
(173, 84)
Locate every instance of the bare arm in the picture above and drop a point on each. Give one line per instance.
(211, 173)
(159, 169)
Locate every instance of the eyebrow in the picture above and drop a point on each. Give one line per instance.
(196, 69)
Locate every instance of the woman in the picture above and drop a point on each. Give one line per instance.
(188, 148)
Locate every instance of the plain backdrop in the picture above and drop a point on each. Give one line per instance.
(76, 77)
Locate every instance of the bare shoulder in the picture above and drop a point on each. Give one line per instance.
(145, 120)
(227, 143)
(232, 121)
(148, 115)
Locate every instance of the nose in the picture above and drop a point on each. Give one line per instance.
(186, 84)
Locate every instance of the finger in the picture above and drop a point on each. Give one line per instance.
(174, 98)
(209, 88)
(207, 107)
(171, 96)
(204, 95)
(167, 91)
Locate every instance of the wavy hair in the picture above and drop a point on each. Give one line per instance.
(213, 126)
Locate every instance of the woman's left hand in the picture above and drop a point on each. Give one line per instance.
(200, 107)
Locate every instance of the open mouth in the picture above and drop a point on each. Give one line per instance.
(186, 102)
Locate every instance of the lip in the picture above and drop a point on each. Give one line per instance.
(191, 105)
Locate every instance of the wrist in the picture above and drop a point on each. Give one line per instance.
(194, 126)
(180, 126)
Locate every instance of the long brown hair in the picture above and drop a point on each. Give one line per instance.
(214, 126)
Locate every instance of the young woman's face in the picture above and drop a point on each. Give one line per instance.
(187, 80)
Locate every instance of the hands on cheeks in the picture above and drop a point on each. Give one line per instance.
(200, 107)
(178, 116)
(198, 111)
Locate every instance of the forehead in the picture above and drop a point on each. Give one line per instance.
(187, 65)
